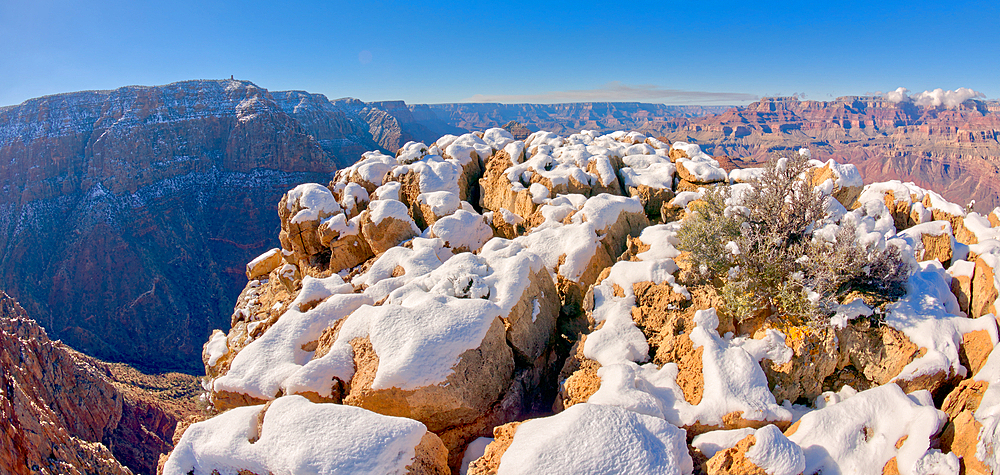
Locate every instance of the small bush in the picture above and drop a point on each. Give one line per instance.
(766, 258)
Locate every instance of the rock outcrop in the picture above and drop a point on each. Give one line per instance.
(61, 413)
(562, 290)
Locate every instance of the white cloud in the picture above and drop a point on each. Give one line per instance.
(615, 91)
(934, 98)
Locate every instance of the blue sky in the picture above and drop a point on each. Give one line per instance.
(709, 52)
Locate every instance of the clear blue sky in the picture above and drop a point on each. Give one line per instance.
(708, 52)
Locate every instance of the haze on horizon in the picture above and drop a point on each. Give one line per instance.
(713, 53)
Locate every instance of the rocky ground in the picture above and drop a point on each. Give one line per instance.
(492, 305)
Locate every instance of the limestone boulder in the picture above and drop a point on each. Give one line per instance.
(438, 355)
(301, 210)
(385, 224)
(961, 273)
(263, 264)
(961, 434)
(845, 181)
(984, 286)
(462, 231)
(327, 438)
(931, 240)
(815, 357)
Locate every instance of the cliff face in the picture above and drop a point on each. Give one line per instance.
(568, 118)
(60, 414)
(126, 216)
(955, 151)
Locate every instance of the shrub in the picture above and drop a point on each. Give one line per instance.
(766, 258)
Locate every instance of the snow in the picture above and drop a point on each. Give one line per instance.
(468, 148)
(352, 195)
(217, 347)
(379, 210)
(604, 210)
(372, 167)
(497, 138)
(618, 339)
(463, 229)
(715, 441)
(442, 203)
(981, 227)
(539, 193)
(661, 239)
(388, 191)
(844, 313)
(297, 436)
(859, 434)
(510, 217)
(475, 449)
(411, 152)
(512, 266)
(684, 198)
(653, 171)
(746, 175)
(988, 413)
(576, 242)
(734, 380)
(703, 172)
(261, 369)
(421, 258)
(930, 317)
(847, 174)
(595, 439)
(421, 338)
(774, 453)
(703, 167)
(314, 201)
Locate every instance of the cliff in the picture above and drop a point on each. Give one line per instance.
(62, 413)
(124, 214)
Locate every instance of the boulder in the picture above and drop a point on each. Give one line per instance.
(385, 224)
(326, 438)
(984, 286)
(961, 434)
(846, 181)
(301, 210)
(264, 264)
(469, 387)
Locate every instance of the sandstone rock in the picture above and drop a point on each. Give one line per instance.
(478, 379)
(489, 463)
(932, 240)
(984, 290)
(462, 231)
(816, 356)
(961, 273)
(264, 264)
(327, 437)
(301, 210)
(879, 353)
(517, 200)
(385, 224)
(961, 433)
(847, 182)
(578, 379)
(733, 461)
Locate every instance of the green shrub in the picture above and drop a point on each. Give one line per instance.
(765, 258)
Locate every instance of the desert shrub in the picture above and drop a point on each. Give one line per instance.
(766, 258)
